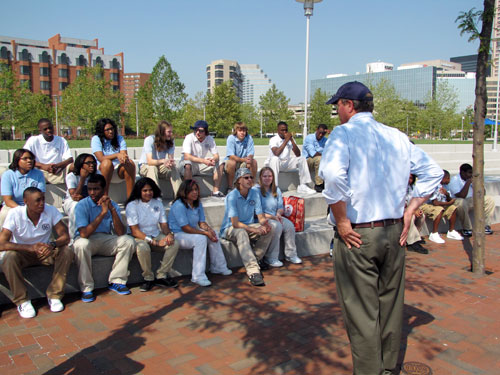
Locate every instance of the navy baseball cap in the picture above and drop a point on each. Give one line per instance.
(200, 124)
(353, 91)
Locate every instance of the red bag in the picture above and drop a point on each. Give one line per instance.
(295, 211)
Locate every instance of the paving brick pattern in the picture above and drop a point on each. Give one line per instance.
(291, 326)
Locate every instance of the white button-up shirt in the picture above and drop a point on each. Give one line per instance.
(194, 147)
(55, 151)
(367, 164)
(277, 141)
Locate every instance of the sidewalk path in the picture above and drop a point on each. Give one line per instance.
(291, 326)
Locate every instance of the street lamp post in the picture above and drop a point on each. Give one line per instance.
(462, 135)
(56, 99)
(136, 118)
(308, 12)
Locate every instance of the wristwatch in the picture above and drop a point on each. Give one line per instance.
(53, 244)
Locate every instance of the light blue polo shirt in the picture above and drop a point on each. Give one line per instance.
(270, 204)
(106, 148)
(243, 208)
(86, 212)
(14, 183)
(239, 148)
(312, 145)
(180, 216)
(150, 148)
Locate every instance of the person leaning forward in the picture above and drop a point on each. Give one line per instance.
(365, 166)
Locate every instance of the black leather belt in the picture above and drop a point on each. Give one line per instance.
(376, 224)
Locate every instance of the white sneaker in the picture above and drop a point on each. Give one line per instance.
(225, 272)
(26, 310)
(295, 259)
(202, 282)
(55, 305)
(435, 237)
(454, 235)
(275, 263)
(304, 189)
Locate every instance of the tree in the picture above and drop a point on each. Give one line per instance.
(251, 117)
(190, 113)
(274, 105)
(167, 91)
(146, 117)
(388, 105)
(468, 25)
(89, 98)
(320, 113)
(7, 83)
(223, 109)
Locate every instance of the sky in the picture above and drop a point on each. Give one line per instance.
(344, 35)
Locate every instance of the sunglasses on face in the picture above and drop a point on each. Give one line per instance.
(200, 130)
(248, 177)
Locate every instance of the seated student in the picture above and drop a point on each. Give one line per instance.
(20, 175)
(441, 204)
(147, 220)
(110, 151)
(187, 220)
(414, 240)
(157, 158)
(25, 241)
(239, 153)
(76, 183)
(280, 158)
(313, 149)
(460, 188)
(238, 225)
(194, 156)
(53, 156)
(272, 205)
(95, 217)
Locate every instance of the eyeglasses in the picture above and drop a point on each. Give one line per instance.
(27, 158)
(248, 177)
(90, 162)
(200, 130)
(109, 129)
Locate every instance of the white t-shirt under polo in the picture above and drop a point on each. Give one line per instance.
(194, 147)
(147, 215)
(277, 141)
(23, 230)
(48, 152)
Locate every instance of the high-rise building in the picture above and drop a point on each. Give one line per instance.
(131, 84)
(220, 71)
(255, 83)
(50, 66)
(495, 41)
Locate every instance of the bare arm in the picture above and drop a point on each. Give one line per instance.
(344, 227)
(465, 190)
(9, 202)
(62, 234)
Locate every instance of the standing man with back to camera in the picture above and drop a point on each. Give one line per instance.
(365, 166)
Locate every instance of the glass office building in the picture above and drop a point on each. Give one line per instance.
(255, 83)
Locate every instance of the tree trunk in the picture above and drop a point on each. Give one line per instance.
(478, 253)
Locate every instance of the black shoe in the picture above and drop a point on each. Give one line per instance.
(168, 282)
(416, 247)
(487, 230)
(263, 265)
(147, 285)
(256, 279)
(467, 233)
(319, 188)
(421, 242)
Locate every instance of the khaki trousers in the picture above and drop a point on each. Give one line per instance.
(161, 171)
(15, 261)
(370, 287)
(466, 205)
(414, 234)
(313, 164)
(59, 178)
(244, 240)
(144, 256)
(121, 247)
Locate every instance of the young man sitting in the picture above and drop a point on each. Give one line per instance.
(441, 204)
(25, 241)
(95, 216)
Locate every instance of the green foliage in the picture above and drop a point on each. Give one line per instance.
(320, 113)
(223, 109)
(146, 118)
(167, 91)
(89, 98)
(274, 105)
(388, 105)
(190, 113)
(251, 117)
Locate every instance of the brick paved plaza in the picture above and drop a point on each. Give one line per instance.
(291, 326)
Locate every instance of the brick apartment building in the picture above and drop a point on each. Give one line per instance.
(131, 84)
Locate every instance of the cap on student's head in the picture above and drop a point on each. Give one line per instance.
(200, 124)
(240, 173)
(353, 91)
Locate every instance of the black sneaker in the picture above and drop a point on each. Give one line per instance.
(146, 286)
(487, 230)
(263, 265)
(421, 242)
(416, 247)
(466, 233)
(256, 279)
(168, 282)
(319, 188)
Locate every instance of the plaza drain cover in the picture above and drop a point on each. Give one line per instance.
(416, 368)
